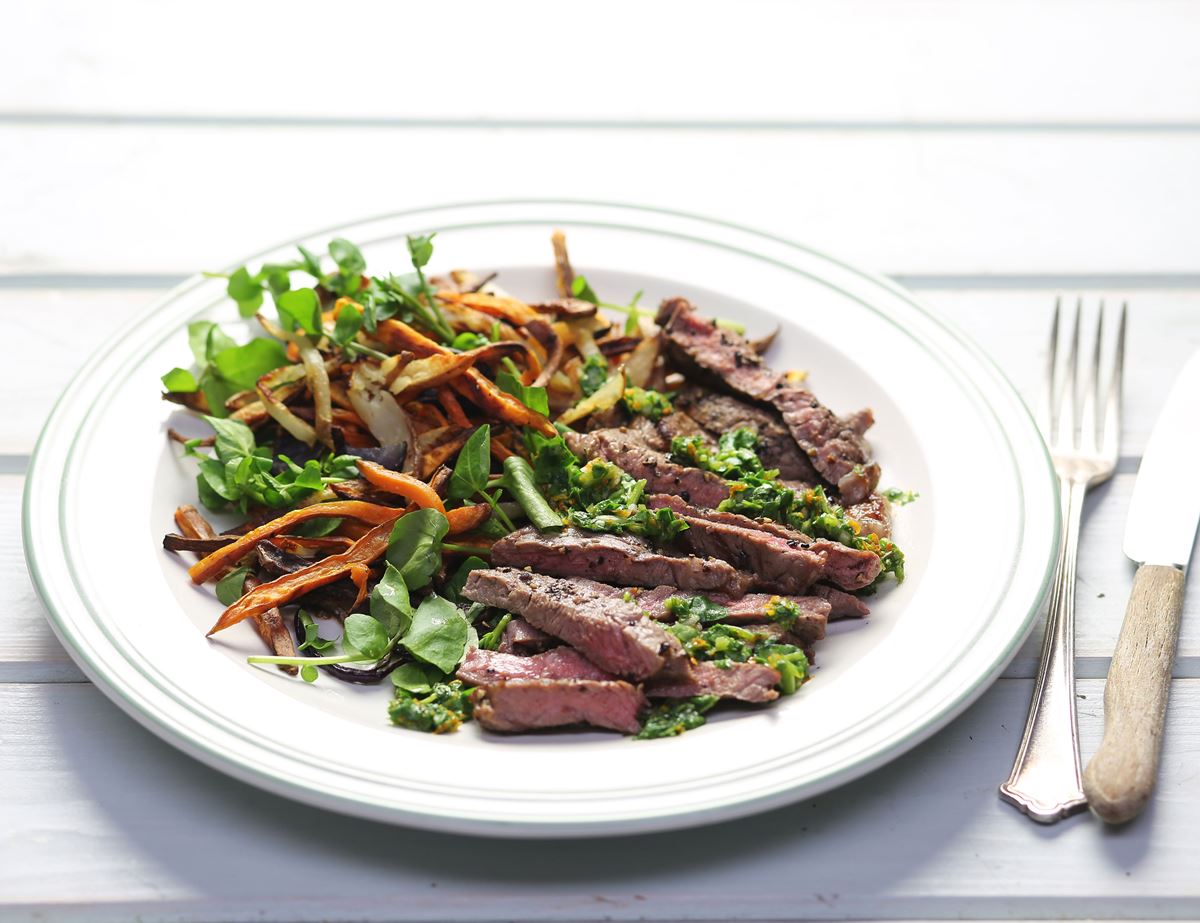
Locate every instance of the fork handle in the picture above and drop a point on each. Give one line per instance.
(1045, 781)
(1120, 777)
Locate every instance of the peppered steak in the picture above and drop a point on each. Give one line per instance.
(842, 605)
(727, 361)
(481, 668)
(621, 559)
(723, 413)
(640, 462)
(522, 638)
(528, 704)
(611, 633)
(746, 682)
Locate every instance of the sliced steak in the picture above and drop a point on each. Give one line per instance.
(842, 605)
(728, 362)
(482, 668)
(874, 514)
(522, 638)
(722, 413)
(621, 559)
(772, 552)
(627, 452)
(746, 682)
(611, 633)
(528, 704)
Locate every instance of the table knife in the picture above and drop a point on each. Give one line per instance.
(1159, 534)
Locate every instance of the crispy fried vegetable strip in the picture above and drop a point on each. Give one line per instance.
(298, 543)
(603, 398)
(408, 379)
(274, 632)
(355, 562)
(466, 518)
(499, 450)
(450, 404)
(208, 567)
(509, 309)
(552, 343)
(564, 275)
(474, 386)
(435, 447)
(394, 482)
(273, 404)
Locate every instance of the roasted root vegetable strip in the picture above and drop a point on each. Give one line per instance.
(209, 567)
(515, 312)
(410, 488)
(355, 562)
(273, 630)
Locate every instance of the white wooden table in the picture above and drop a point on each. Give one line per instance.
(988, 155)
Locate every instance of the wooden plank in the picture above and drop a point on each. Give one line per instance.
(112, 824)
(1013, 326)
(860, 62)
(180, 199)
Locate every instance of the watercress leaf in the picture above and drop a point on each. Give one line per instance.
(415, 546)
(243, 366)
(308, 673)
(390, 603)
(491, 640)
(474, 465)
(454, 585)
(348, 257)
(531, 397)
(198, 332)
(347, 324)
(416, 677)
(231, 586)
(211, 485)
(245, 290)
(300, 308)
(234, 439)
(468, 340)
(278, 281)
(420, 248)
(438, 634)
(366, 635)
(581, 289)
(180, 380)
(311, 264)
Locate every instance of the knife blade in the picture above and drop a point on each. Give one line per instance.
(1160, 533)
(1165, 507)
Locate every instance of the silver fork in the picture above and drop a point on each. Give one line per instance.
(1045, 782)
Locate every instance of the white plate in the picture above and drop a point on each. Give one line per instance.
(980, 541)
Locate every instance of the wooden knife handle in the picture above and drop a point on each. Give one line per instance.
(1120, 777)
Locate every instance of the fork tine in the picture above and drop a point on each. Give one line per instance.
(1089, 428)
(1046, 406)
(1065, 431)
(1110, 444)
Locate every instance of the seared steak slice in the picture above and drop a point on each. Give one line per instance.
(522, 638)
(528, 704)
(621, 559)
(746, 682)
(722, 413)
(661, 475)
(874, 514)
(842, 605)
(481, 668)
(753, 607)
(611, 633)
(769, 550)
(837, 451)
(836, 448)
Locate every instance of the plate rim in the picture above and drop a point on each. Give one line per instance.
(234, 764)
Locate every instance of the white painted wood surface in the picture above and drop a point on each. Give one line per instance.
(987, 154)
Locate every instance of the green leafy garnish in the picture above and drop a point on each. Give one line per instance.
(474, 465)
(699, 608)
(300, 308)
(654, 405)
(366, 635)
(231, 587)
(670, 719)
(415, 546)
(390, 603)
(246, 291)
(582, 290)
(440, 712)
(468, 340)
(438, 635)
(735, 456)
(899, 497)
(593, 374)
(312, 639)
(180, 381)
(726, 644)
(491, 640)
(531, 397)
(242, 474)
(416, 677)
(453, 587)
(225, 367)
